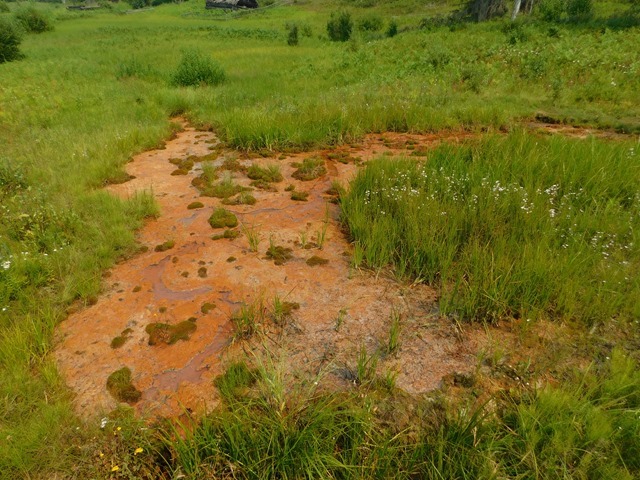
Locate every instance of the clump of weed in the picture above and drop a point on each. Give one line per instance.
(310, 169)
(228, 233)
(336, 189)
(202, 272)
(221, 218)
(195, 69)
(339, 26)
(231, 259)
(293, 37)
(33, 20)
(263, 185)
(343, 157)
(392, 29)
(195, 205)
(393, 342)
(163, 247)
(253, 236)
(120, 387)
(121, 339)
(299, 196)
(10, 39)
(4, 8)
(270, 173)
(204, 181)
(316, 260)
(283, 310)
(207, 307)
(169, 334)
(236, 380)
(290, 188)
(246, 320)
(243, 198)
(136, 289)
(224, 189)
(278, 253)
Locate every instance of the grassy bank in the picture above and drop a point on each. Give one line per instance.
(515, 227)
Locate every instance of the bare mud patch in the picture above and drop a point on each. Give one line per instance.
(195, 278)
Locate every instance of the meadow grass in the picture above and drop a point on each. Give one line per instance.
(514, 227)
(98, 89)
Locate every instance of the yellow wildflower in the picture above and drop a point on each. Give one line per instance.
(115, 468)
(138, 450)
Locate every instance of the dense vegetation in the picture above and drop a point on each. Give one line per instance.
(77, 100)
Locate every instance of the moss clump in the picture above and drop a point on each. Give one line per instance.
(310, 169)
(184, 165)
(221, 218)
(233, 165)
(279, 254)
(290, 188)
(299, 196)
(316, 260)
(118, 341)
(194, 205)
(119, 385)
(163, 247)
(169, 334)
(342, 157)
(230, 234)
(231, 259)
(202, 272)
(270, 173)
(207, 307)
(243, 198)
(223, 189)
(137, 288)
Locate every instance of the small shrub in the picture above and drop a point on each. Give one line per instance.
(370, 23)
(33, 20)
(580, 8)
(292, 38)
(299, 196)
(551, 10)
(197, 69)
(136, 4)
(339, 26)
(392, 30)
(10, 39)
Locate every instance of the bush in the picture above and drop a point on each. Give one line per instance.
(339, 26)
(370, 23)
(580, 8)
(9, 41)
(33, 20)
(4, 8)
(197, 69)
(551, 10)
(293, 39)
(392, 30)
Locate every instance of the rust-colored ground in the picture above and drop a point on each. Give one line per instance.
(341, 309)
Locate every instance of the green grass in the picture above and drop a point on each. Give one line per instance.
(520, 226)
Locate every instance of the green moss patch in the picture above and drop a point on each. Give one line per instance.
(316, 260)
(228, 233)
(120, 387)
(163, 247)
(207, 307)
(121, 339)
(169, 334)
(195, 205)
(202, 272)
(221, 218)
(279, 254)
(310, 169)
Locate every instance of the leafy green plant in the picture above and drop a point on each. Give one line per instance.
(392, 29)
(195, 69)
(293, 37)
